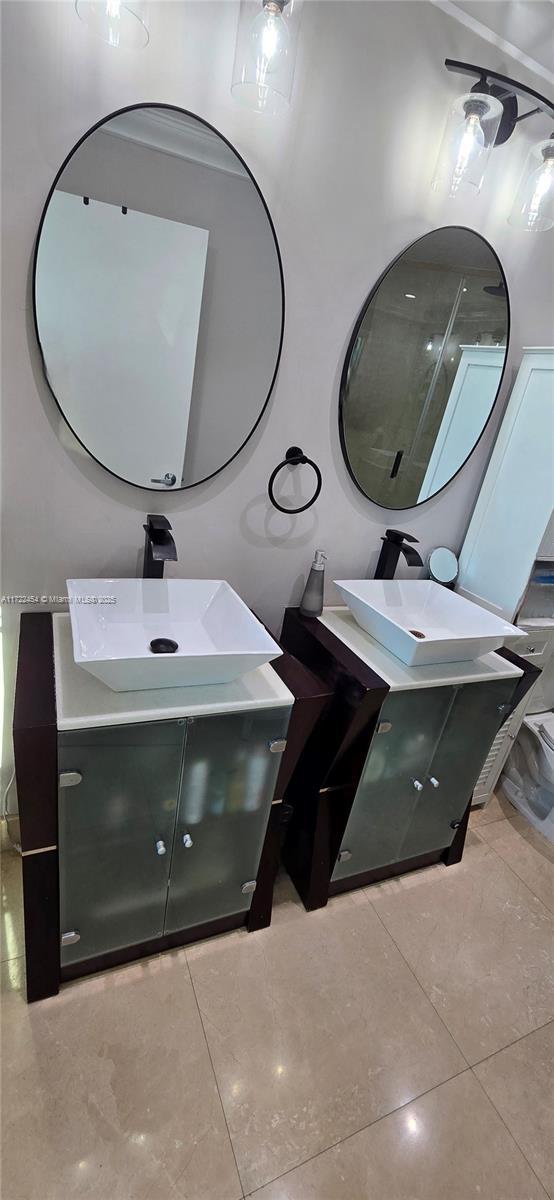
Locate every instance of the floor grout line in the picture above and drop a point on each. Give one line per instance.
(523, 1035)
(355, 1132)
(508, 1130)
(420, 985)
(523, 882)
(508, 1045)
(485, 824)
(239, 1176)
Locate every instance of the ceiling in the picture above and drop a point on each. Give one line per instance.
(524, 29)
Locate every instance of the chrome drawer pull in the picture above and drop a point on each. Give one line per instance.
(418, 786)
(187, 841)
(434, 782)
(160, 847)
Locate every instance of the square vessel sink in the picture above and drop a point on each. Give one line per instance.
(206, 632)
(422, 622)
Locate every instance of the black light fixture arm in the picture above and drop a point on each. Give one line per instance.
(505, 89)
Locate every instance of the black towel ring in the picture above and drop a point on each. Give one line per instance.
(293, 458)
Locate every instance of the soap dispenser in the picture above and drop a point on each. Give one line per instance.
(311, 604)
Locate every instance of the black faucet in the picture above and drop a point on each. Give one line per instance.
(159, 546)
(394, 544)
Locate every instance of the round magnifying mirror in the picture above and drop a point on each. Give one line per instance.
(443, 565)
(424, 367)
(158, 297)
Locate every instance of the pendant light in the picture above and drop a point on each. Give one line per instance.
(533, 207)
(468, 140)
(265, 53)
(116, 23)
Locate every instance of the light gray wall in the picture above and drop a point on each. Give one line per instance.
(346, 173)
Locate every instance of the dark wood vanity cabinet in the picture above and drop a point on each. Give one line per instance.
(385, 781)
(137, 837)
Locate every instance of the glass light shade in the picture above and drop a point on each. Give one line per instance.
(533, 207)
(468, 140)
(265, 53)
(114, 22)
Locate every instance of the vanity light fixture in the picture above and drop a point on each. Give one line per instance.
(533, 207)
(265, 53)
(485, 117)
(468, 140)
(115, 22)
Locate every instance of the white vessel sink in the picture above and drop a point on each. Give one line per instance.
(422, 622)
(218, 638)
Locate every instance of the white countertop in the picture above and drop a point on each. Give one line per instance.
(339, 620)
(83, 702)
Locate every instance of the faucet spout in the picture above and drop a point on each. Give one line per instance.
(412, 557)
(395, 543)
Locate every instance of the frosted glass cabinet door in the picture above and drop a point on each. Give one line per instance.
(475, 717)
(116, 831)
(386, 798)
(228, 782)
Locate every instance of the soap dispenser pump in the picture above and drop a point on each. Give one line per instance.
(311, 604)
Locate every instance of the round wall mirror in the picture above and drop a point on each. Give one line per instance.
(158, 297)
(424, 366)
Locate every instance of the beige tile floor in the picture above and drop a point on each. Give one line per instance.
(397, 1045)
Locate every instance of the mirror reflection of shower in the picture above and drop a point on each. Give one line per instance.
(424, 367)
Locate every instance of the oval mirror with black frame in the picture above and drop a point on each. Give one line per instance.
(158, 297)
(424, 367)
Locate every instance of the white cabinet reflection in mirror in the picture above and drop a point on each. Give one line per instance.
(469, 404)
(96, 318)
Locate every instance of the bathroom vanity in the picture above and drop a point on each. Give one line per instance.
(385, 782)
(148, 818)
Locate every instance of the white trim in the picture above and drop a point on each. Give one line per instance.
(494, 39)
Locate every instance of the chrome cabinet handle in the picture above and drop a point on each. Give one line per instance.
(168, 480)
(160, 847)
(418, 786)
(277, 745)
(69, 778)
(434, 782)
(187, 841)
(71, 937)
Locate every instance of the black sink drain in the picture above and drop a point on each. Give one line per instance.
(163, 646)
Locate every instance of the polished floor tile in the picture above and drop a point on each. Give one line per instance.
(481, 946)
(519, 1083)
(108, 1091)
(497, 807)
(11, 929)
(449, 1143)
(527, 852)
(397, 885)
(330, 1058)
(316, 1027)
